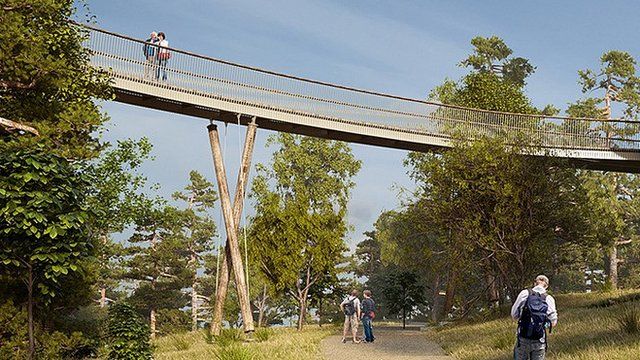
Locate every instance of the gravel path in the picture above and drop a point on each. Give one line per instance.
(390, 344)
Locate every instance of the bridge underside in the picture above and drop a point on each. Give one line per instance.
(628, 161)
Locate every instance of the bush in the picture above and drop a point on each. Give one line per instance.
(58, 345)
(235, 352)
(263, 334)
(127, 334)
(180, 343)
(629, 319)
(208, 336)
(229, 336)
(173, 321)
(13, 332)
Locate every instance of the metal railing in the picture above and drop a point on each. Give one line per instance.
(124, 58)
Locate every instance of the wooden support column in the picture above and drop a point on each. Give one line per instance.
(232, 259)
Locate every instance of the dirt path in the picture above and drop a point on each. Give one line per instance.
(390, 344)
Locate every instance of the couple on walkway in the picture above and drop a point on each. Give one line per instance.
(354, 310)
(157, 55)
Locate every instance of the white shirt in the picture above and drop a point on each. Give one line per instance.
(552, 313)
(164, 43)
(356, 302)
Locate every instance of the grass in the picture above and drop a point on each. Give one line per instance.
(281, 343)
(596, 326)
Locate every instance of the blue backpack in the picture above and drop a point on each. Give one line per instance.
(533, 317)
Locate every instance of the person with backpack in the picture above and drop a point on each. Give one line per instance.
(535, 311)
(368, 314)
(149, 50)
(163, 56)
(351, 309)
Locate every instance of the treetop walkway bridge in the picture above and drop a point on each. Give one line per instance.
(215, 89)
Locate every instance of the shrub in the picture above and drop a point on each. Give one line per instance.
(235, 352)
(58, 345)
(208, 336)
(173, 321)
(229, 336)
(629, 319)
(263, 334)
(127, 334)
(180, 343)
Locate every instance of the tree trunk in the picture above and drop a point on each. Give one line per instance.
(303, 310)
(152, 321)
(404, 318)
(493, 296)
(103, 296)
(262, 305)
(613, 266)
(450, 294)
(194, 296)
(437, 301)
(32, 342)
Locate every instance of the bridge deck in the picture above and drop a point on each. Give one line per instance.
(214, 89)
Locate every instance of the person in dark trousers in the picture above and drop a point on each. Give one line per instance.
(535, 311)
(163, 56)
(368, 314)
(149, 49)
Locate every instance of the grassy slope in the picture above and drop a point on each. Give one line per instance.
(285, 344)
(583, 332)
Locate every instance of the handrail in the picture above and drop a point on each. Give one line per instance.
(359, 90)
(258, 88)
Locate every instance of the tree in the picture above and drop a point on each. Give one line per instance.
(158, 263)
(198, 230)
(491, 55)
(301, 202)
(401, 293)
(116, 195)
(501, 215)
(46, 79)
(616, 82)
(44, 223)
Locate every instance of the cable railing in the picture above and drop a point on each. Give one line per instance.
(123, 57)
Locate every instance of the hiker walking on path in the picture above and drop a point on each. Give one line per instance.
(149, 49)
(368, 314)
(535, 311)
(351, 309)
(163, 56)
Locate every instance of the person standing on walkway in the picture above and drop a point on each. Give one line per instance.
(535, 311)
(149, 49)
(368, 314)
(163, 56)
(351, 309)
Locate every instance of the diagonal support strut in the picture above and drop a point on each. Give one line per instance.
(232, 259)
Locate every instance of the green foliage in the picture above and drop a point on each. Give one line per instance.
(263, 334)
(180, 343)
(57, 345)
(629, 319)
(127, 334)
(13, 332)
(234, 352)
(301, 202)
(401, 293)
(172, 321)
(491, 55)
(44, 218)
(46, 79)
(228, 337)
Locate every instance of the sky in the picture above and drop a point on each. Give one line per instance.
(400, 47)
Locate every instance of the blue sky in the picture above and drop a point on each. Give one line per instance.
(400, 47)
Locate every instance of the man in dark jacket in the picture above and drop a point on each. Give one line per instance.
(368, 313)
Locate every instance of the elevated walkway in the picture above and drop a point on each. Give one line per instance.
(215, 89)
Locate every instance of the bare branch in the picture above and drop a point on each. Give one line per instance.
(11, 126)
